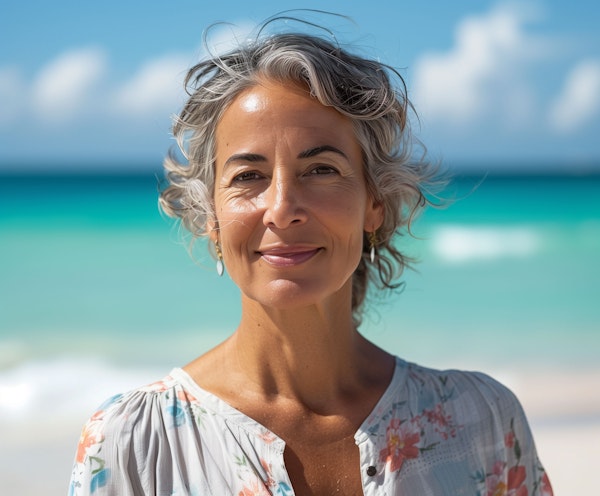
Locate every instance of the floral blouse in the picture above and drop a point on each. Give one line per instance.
(431, 433)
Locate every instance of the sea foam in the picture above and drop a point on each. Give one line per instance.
(46, 391)
(460, 243)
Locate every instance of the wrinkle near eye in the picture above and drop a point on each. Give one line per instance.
(246, 176)
(322, 170)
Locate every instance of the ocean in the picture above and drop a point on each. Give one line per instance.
(90, 268)
(99, 293)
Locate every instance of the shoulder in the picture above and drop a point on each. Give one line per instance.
(138, 412)
(170, 437)
(121, 412)
(124, 434)
(467, 416)
(490, 420)
(472, 398)
(482, 405)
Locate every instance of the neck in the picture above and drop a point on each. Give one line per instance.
(310, 355)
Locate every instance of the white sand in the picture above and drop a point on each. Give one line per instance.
(571, 455)
(564, 413)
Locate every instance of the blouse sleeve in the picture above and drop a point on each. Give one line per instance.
(100, 454)
(117, 450)
(516, 468)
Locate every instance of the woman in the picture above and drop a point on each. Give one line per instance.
(299, 169)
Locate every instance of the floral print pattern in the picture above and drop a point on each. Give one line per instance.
(505, 480)
(425, 430)
(89, 451)
(257, 487)
(407, 439)
(402, 440)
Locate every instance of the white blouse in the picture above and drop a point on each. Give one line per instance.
(431, 433)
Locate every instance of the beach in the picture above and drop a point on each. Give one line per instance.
(98, 295)
(564, 412)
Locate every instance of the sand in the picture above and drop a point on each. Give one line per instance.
(564, 413)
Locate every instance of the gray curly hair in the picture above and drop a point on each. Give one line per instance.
(359, 88)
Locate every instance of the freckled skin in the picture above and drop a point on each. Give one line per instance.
(289, 174)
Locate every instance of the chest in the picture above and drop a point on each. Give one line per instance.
(324, 469)
(321, 456)
(304, 460)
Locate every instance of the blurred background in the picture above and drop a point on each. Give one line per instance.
(98, 293)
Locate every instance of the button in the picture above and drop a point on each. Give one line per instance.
(371, 471)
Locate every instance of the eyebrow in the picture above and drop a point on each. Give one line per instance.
(246, 157)
(311, 152)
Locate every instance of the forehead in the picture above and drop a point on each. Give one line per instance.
(274, 110)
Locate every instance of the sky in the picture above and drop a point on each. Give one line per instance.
(496, 84)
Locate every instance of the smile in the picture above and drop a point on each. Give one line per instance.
(288, 257)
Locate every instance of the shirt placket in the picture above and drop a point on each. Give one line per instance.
(372, 471)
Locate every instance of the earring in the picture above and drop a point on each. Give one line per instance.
(220, 265)
(372, 243)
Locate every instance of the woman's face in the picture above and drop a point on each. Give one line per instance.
(291, 202)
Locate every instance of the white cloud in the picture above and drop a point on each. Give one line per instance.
(62, 88)
(67, 89)
(12, 94)
(579, 101)
(155, 88)
(461, 85)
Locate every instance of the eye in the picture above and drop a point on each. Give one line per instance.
(323, 170)
(246, 176)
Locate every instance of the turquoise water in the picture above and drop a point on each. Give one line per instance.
(508, 274)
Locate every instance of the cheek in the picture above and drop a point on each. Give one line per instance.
(239, 222)
(233, 213)
(345, 210)
(229, 206)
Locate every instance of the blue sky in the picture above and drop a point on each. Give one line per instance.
(93, 84)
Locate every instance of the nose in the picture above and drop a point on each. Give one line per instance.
(283, 203)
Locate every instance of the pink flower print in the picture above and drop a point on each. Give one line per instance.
(401, 439)
(545, 487)
(499, 489)
(516, 478)
(509, 439)
(89, 437)
(442, 423)
(186, 397)
(157, 387)
(494, 483)
(267, 468)
(255, 488)
(267, 436)
(281, 488)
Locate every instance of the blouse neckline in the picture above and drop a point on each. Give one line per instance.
(222, 407)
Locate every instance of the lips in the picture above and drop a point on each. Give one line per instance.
(288, 257)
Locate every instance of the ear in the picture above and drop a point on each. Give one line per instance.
(212, 230)
(373, 215)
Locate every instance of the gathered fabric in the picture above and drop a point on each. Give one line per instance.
(431, 433)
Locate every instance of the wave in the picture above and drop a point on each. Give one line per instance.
(460, 243)
(64, 388)
(43, 406)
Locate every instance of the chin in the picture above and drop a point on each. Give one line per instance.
(285, 294)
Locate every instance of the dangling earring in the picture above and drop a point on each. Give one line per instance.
(372, 244)
(220, 266)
